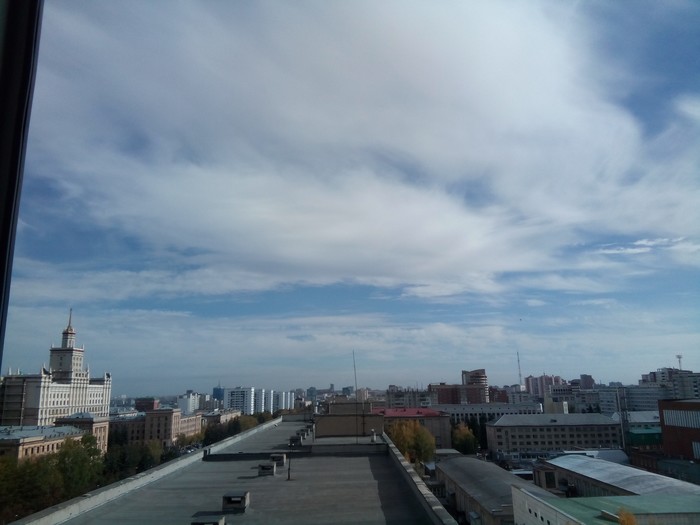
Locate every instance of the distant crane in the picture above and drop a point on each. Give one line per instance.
(679, 357)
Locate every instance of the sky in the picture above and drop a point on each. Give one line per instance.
(247, 193)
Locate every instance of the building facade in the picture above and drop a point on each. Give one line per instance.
(87, 422)
(539, 434)
(486, 411)
(240, 398)
(65, 388)
(189, 402)
(680, 428)
(163, 425)
(32, 441)
(398, 397)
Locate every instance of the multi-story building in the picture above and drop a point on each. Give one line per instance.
(240, 398)
(162, 425)
(258, 400)
(486, 411)
(87, 422)
(498, 394)
(539, 434)
(642, 397)
(188, 403)
(63, 389)
(686, 385)
(477, 385)
(219, 417)
(538, 386)
(268, 401)
(24, 442)
(442, 393)
(398, 397)
(680, 427)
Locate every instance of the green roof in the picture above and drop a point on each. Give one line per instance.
(588, 510)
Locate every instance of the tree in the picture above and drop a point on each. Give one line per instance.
(423, 444)
(626, 518)
(463, 439)
(412, 439)
(213, 433)
(150, 455)
(263, 416)
(247, 422)
(400, 434)
(80, 465)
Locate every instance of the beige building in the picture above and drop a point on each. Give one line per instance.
(219, 417)
(437, 423)
(65, 388)
(533, 435)
(29, 442)
(163, 425)
(97, 426)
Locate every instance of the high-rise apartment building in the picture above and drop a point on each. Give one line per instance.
(258, 400)
(64, 389)
(240, 398)
(538, 386)
(189, 402)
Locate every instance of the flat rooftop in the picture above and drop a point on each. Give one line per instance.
(684, 508)
(323, 489)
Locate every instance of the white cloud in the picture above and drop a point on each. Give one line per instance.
(447, 153)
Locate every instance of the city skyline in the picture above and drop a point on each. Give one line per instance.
(249, 193)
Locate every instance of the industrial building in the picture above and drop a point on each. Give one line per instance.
(480, 491)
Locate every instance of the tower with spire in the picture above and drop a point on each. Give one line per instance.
(64, 389)
(67, 360)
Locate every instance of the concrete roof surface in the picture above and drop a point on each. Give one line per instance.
(323, 489)
(17, 432)
(539, 420)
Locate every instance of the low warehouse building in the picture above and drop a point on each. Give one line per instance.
(480, 490)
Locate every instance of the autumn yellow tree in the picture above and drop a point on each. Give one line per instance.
(626, 518)
(463, 439)
(412, 439)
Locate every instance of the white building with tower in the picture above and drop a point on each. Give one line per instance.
(63, 389)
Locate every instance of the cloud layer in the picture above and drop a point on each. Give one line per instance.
(454, 154)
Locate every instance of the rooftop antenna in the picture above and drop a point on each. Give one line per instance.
(679, 357)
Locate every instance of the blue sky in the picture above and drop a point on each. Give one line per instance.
(246, 193)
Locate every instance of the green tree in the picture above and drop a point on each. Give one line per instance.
(262, 417)
(80, 464)
(463, 439)
(150, 455)
(9, 488)
(423, 444)
(247, 422)
(213, 433)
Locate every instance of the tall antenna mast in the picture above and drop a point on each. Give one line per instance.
(520, 374)
(357, 433)
(679, 357)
